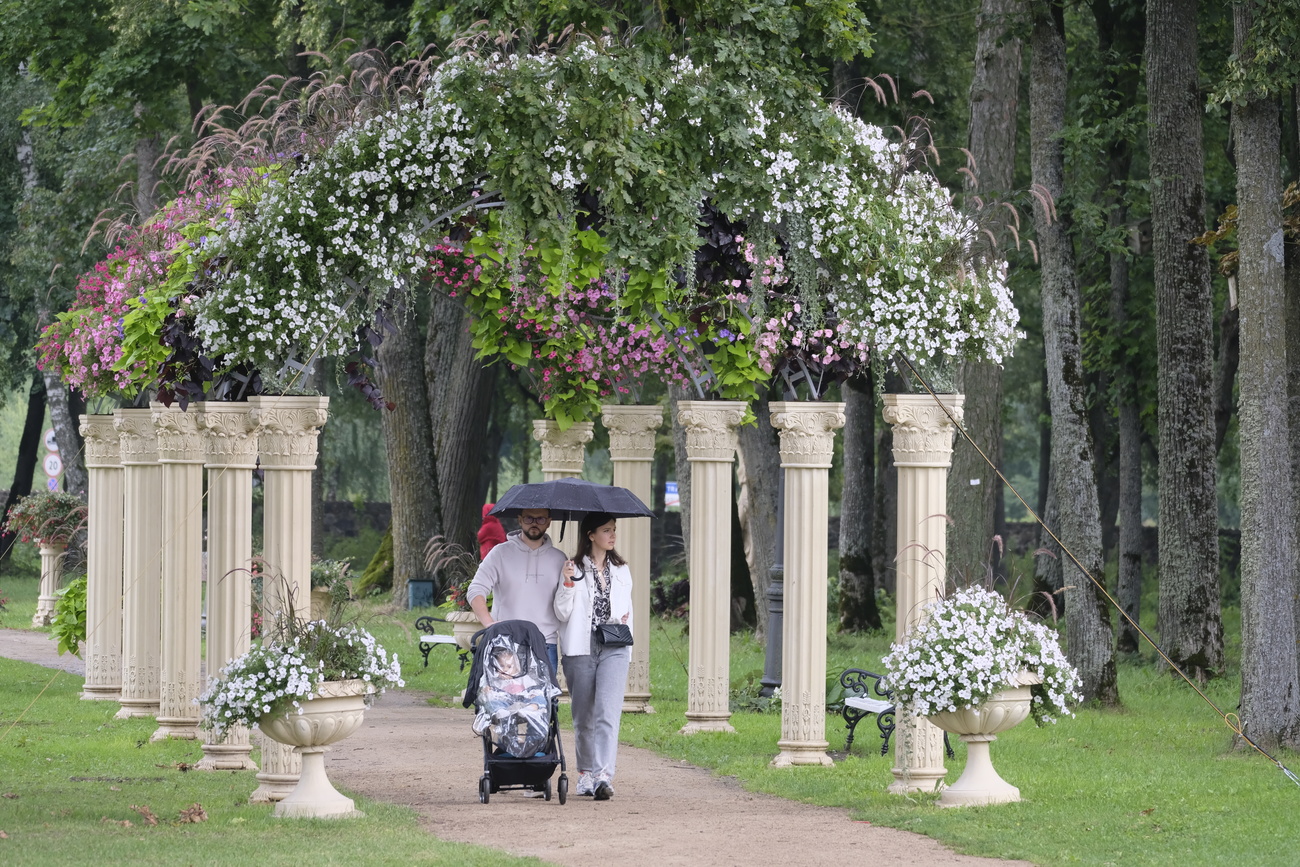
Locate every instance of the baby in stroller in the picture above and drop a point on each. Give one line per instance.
(514, 699)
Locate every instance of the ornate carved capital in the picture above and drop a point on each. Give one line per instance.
(179, 437)
(229, 434)
(287, 429)
(807, 431)
(710, 428)
(632, 431)
(103, 445)
(137, 442)
(922, 430)
(563, 451)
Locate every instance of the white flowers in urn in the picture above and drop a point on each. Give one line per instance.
(972, 645)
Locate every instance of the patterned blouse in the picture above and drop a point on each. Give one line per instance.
(600, 600)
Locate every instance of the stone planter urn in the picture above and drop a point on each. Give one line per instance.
(320, 603)
(51, 576)
(335, 712)
(463, 626)
(978, 727)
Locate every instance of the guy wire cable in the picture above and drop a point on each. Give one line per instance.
(1231, 720)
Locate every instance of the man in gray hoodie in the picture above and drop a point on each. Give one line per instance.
(521, 575)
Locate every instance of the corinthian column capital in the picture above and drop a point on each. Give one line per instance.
(632, 431)
(229, 434)
(922, 429)
(137, 441)
(710, 428)
(288, 427)
(807, 431)
(103, 443)
(179, 438)
(564, 451)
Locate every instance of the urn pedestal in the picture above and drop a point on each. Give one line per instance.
(51, 577)
(979, 726)
(336, 711)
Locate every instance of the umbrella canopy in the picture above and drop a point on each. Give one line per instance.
(570, 499)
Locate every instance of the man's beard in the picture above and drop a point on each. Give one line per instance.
(534, 532)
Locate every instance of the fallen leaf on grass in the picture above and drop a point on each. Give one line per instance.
(125, 823)
(10, 795)
(194, 813)
(3, 836)
(1148, 811)
(115, 788)
(146, 814)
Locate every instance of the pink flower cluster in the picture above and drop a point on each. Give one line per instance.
(451, 269)
(785, 335)
(578, 337)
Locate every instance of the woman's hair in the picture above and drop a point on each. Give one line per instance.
(590, 523)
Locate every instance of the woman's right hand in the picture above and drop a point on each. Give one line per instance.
(570, 572)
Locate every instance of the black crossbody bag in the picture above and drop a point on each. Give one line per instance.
(613, 635)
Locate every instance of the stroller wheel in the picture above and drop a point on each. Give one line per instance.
(561, 787)
(483, 786)
(546, 792)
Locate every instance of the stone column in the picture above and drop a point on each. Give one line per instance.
(230, 441)
(142, 542)
(180, 453)
(287, 430)
(711, 448)
(51, 575)
(807, 432)
(632, 431)
(563, 454)
(103, 559)
(923, 453)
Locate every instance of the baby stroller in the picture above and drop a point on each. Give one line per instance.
(517, 702)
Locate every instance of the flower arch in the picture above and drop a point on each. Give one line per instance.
(605, 205)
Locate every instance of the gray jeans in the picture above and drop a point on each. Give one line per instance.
(596, 685)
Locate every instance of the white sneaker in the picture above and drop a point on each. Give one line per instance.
(586, 784)
(604, 790)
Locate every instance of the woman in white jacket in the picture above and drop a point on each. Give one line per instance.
(597, 588)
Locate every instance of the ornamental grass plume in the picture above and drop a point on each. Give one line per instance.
(971, 645)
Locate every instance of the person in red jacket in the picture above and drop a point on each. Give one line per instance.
(491, 533)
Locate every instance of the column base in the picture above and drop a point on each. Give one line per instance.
(272, 787)
(176, 729)
(44, 611)
(133, 708)
(226, 757)
(801, 753)
(637, 703)
(98, 692)
(697, 723)
(911, 780)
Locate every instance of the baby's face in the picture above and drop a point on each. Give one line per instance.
(508, 664)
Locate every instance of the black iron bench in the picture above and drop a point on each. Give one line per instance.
(858, 685)
(429, 639)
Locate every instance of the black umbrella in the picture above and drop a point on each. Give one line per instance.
(570, 499)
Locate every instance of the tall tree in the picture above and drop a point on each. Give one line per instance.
(973, 485)
(858, 609)
(1191, 628)
(758, 470)
(1270, 683)
(1088, 626)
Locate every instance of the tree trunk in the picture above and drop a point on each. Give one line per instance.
(973, 485)
(147, 150)
(884, 530)
(1293, 357)
(759, 473)
(412, 479)
(459, 399)
(318, 478)
(1191, 628)
(858, 609)
(25, 465)
(1226, 360)
(1089, 633)
(1270, 686)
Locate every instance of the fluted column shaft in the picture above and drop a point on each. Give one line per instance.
(632, 431)
(180, 453)
(51, 575)
(807, 432)
(141, 562)
(103, 559)
(288, 428)
(230, 443)
(923, 453)
(711, 448)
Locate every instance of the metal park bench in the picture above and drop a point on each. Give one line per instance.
(858, 684)
(429, 639)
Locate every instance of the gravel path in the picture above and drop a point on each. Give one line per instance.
(664, 812)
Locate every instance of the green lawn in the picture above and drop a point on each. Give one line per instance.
(1153, 783)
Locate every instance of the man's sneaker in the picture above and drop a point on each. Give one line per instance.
(586, 784)
(604, 791)
(529, 793)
